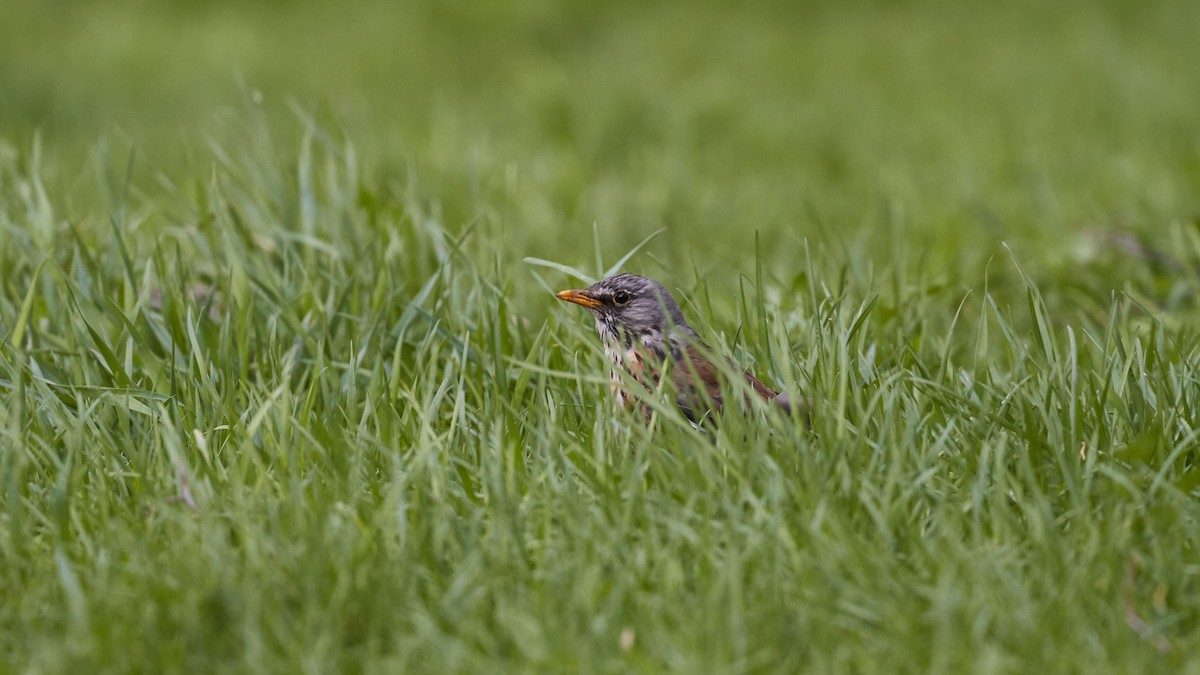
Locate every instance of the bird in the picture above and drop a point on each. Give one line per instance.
(645, 335)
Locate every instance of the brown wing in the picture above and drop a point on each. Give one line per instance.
(759, 388)
(698, 386)
(782, 400)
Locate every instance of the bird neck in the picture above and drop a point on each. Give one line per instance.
(656, 341)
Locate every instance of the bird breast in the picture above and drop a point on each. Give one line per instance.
(635, 364)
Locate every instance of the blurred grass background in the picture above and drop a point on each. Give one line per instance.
(949, 125)
(277, 252)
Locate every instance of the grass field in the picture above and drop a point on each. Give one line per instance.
(283, 387)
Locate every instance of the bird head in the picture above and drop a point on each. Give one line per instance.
(631, 306)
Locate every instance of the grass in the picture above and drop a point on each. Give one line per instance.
(282, 387)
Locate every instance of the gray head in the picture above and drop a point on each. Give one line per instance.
(632, 305)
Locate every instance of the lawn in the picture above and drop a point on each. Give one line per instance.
(284, 388)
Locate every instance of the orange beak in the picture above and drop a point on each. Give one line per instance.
(579, 298)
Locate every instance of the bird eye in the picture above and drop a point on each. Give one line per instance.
(621, 297)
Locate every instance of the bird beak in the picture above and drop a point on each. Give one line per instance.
(579, 298)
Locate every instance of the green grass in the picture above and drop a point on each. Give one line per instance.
(283, 388)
